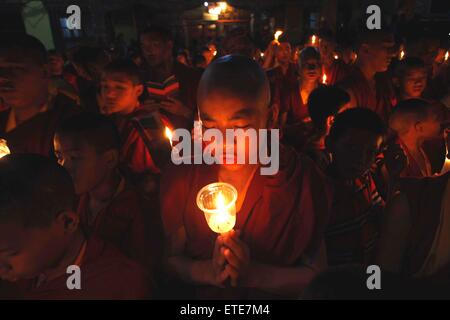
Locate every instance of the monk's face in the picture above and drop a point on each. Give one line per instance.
(379, 52)
(87, 167)
(311, 69)
(118, 94)
(414, 82)
(326, 49)
(222, 110)
(283, 52)
(27, 252)
(22, 80)
(354, 152)
(155, 50)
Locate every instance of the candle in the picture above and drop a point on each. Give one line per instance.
(4, 150)
(324, 78)
(402, 54)
(446, 56)
(218, 203)
(277, 34)
(169, 135)
(313, 39)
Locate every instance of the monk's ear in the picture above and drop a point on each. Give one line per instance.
(68, 221)
(111, 158)
(139, 89)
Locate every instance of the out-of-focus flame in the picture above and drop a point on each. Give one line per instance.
(446, 56)
(324, 78)
(4, 150)
(313, 39)
(402, 54)
(336, 57)
(277, 34)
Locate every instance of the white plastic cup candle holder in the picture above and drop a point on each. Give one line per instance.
(218, 203)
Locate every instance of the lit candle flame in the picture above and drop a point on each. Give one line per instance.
(324, 78)
(336, 57)
(277, 34)
(4, 150)
(262, 54)
(223, 6)
(169, 135)
(446, 56)
(402, 54)
(214, 52)
(313, 39)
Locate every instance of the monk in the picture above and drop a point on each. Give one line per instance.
(410, 78)
(87, 145)
(354, 140)
(171, 86)
(415, 121)
(276, 246)
(40, 238)
(144, 148)
(368, 84)
(31, 114)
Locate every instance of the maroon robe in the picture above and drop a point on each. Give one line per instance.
(36, 134)
(381, 101)
(105, 274)
(282, 218)
(130, 222)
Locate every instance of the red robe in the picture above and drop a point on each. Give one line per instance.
(36, 134)
(281, 219)
(105, 274)
(425, 199)
(130, 222)
(381, 101)
(337, 71)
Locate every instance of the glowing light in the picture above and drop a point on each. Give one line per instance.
(262, 54)
(205, 4)
(214, 52)
(313, 39)
(4, 150)
(277, 34)
(324, 78)
(402, 54)
(218, 203)
(446, 56)
(336, 57)
(169, 135)
(223, 6)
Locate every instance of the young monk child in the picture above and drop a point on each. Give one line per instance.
(87, 145)
(276, 246)
(410, 78)
(415, 121)
(141, 153)
(40, 238)
(31, 114)
(354, 141)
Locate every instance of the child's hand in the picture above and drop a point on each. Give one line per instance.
(219, 273)
(237, 254)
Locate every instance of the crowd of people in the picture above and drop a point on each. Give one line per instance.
(363, 180)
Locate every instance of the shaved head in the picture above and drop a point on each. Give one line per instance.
(236, 76)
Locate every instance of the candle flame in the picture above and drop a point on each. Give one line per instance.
(214, 52)
(262, 54)
(220, 201)
(402, 54)
(223, 6)
(277, 34)
(169, 135)
(313, 39)
(4, 150)
(446, 56)
(336, 57)
(324, 78)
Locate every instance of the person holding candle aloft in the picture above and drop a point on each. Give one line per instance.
(276, 246)
(120, 90)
